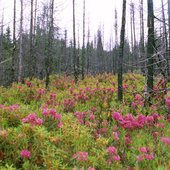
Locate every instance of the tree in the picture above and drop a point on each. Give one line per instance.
(83, 48)
(115, 63)
(20, 65)
(14, 44)
(142, 43)
(74, 47)
(48, 59)
(169, 27)
(121, 49)
(150, 48)
(32, 58)
(100, 59)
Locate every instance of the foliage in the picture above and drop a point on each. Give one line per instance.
(83, 126)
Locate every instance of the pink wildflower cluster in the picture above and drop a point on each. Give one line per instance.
(25, 154)
(167, 102)
(81, 156)
(69, 105)
(40, 91)
(51, 113)
(169, 118)
(144, 154)
(90, 168)
(84, 117)
(28, 83)
(81, 96)
(138, 101)
(131, 122)
(13, 107)
(165, 140)
(53, 96)
(51, 100)
(113, 156)
(32, 119)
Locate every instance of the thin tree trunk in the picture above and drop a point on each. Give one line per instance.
(14, 44)
(83, 48)
(150, 48)
(74, 46)
(142, 47)
(132, 42)
(120, 61)
(169, 32)
(32, 60)
(35, 17)
(48, 61)
(20, 69)
(116, 44)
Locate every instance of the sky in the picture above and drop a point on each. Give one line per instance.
(99, 13)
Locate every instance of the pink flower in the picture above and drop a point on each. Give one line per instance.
(167, 102)
(115, 136)
(155, 134)
(81, 156)
(39, 121)
(31, 117)
(52, 112)
(143, 149)
(58, 116)
(25, 154)
(89, 168)
(41, 91)
(53, 96)
(116, 157)
(149, 156)
(25, 120)
(169, 118)
(116, 116)
(45, 112)
(140, 158)
(59, 125)
(133, 104)
(165, 140)
(111, 150)
(91, 117)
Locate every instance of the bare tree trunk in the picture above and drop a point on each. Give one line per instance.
(31, 59)
(150, 48)
(132, 42)
(35, 17)
(169, 32)
(142, 44)
(83, 48)
(48, 60)
(20, 69)
(88, 52)
(14, 45)
(120, 61)
(74, 46)
(115, 63)
(165, 37)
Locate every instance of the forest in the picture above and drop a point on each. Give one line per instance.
(79, 103)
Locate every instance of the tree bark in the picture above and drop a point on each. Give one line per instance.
(31, 59)
(14, 44)
(74, 47)
(83, 48)
(48, 60)
(20, 69)
(150, 48)
(120, 61)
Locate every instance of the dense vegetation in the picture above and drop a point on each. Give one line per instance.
(83, 126)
